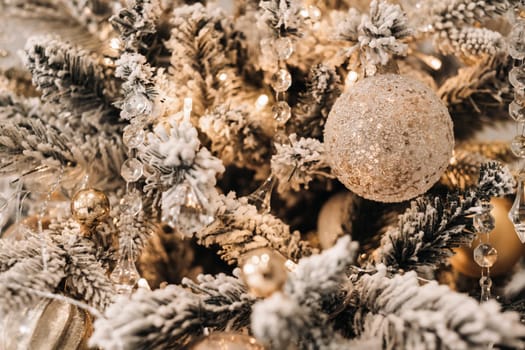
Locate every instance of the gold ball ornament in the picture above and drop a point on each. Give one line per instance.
(502, 238)
(264, 272)
(89, 207)
(389, 138)
(227, 341)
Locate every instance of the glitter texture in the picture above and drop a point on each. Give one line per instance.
(389, 138)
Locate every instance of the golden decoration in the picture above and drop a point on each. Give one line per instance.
(503, 238)
(89, 207)
(264, 272)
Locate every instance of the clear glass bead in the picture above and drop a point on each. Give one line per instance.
(137, 104)
(131, 170)
(283, 48)
(281, 80)
(517, 41)
(484, 222)
(517, 212)
(131, 203)
(133, 136)
(516, 111)
(125, 275)
(281, 112)
(517, 77)
(485, 255)
(517, 146)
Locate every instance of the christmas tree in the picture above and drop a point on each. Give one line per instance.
(281, 174)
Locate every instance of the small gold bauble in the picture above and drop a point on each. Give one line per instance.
(264, 272)
(227, 341)
(502, 238)
(89, 207)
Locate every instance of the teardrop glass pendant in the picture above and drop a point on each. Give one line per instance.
(185, 211)
(125, 274)
(517, 212)
(262, 196)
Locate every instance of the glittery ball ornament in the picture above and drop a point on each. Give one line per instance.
(264, 272)
(89, 207)
(227, 341)
(389, 138)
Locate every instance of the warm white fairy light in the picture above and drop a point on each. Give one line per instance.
(115, 43)
(261, 102)
(188, 105)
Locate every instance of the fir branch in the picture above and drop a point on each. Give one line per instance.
(29, 273)
(171, 317)
(87, 280)
(471, 42)
(406, 315)
(450, 14)
(478, 95)
(323, 86)
(204, 58)
(137, 25)
(431, 227)
(68, 76)
(378, 34)
(296, 317)
(176, 158)
(239, 228)
(235, 138)
(139, 231)
(29, 145)
(297, 164)
(282, 17)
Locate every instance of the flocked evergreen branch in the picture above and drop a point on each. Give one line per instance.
(23, 268)
(235, 137)
(74, 266)
(456, 13)
(173, 316)
(204, 57)
(297, 164)
(431, 227)
(282, 17)
(407, 315)
(296, 316)
(322, 89)
(478, 95)
(179, 163)
(239, 228)
(139, 231)
(470, 41)
(137, 25)
(68, 76)
(378, 35)
(137, 76)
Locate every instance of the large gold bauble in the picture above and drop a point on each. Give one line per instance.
(264, 272)
(502, 238)
(389, 138)
(227, 341)
(89, 207)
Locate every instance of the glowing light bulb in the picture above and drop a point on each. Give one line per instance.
(115, 43)
(261, 102)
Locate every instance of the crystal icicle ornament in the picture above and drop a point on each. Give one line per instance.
(133, 135)
(517, 112)
(125, 274)
(262, 196)
(485, 282)
(131, 203)
(517, 211)
(517, 146)
(283, 47)
(517, 77)
(184, 210)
